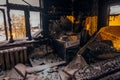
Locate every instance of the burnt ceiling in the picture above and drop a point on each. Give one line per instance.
(114, 2)
(76, 6)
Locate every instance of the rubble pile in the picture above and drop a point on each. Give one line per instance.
(49, 67)
(97, 70)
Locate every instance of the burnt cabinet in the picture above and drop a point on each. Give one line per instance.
(66, 50)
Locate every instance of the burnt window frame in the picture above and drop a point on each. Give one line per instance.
(26, 9)
(5, 23)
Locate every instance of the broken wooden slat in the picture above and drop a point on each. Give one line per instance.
(40, 68)
(2, 63)
(21, 56)
(7, 59)
(25, 54)
(12, 59)
(16, 56)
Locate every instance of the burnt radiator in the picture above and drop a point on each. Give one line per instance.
(10, 57)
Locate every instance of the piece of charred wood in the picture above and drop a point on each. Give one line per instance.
(114, 76)
(42, 67)
(21, 69)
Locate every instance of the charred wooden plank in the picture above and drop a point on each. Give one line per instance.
(40, 68)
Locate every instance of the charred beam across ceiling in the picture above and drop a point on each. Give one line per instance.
(69, 6)
(114, 2)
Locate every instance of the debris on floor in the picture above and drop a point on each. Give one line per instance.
(49, 67)
(45, 65)
(37, 60)
(97, 70)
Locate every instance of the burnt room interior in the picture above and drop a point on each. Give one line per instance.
(59, 40)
